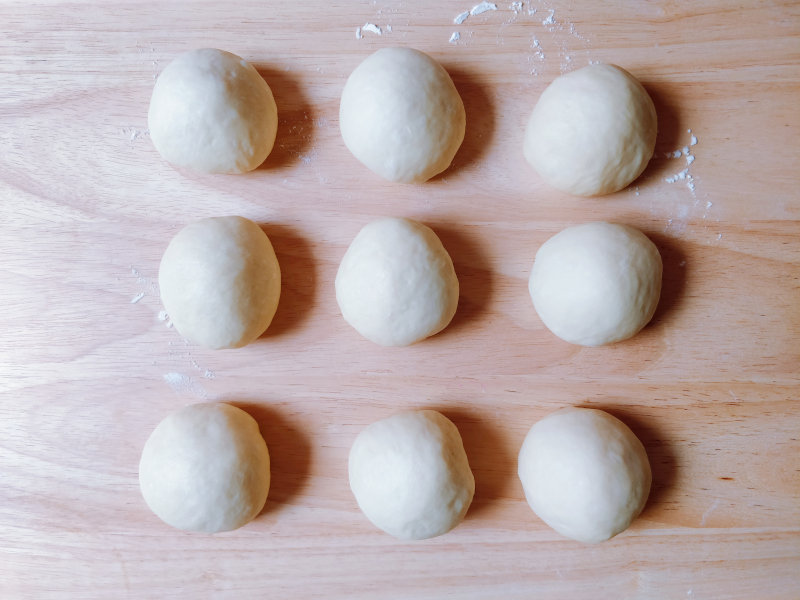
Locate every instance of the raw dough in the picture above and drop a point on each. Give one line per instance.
(596, 283)
(592, 131)
(584, 473)
(401, 115)
(212, 112)
(205, 468)
(220, 282)
(396, 284)
(410, 475)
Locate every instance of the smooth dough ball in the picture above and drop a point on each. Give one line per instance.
(592, 131)
(410, 475)
(220, 282)
(584, 473)
(205, 468)
(596, 283)
(212, 112)
(401, 115)
(396, 284)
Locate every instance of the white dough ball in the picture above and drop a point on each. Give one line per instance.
(401, 115)
(396, 284)
(212, 112)
(205, 468)
(596, 283)
(584, 473)
(220, 282)
(410, 475)
(592, 131)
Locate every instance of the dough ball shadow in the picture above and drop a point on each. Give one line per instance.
(298, 279)
(672, 132)
(673, 280)
(481, 116)
(289, 452)
(493, 464)
(663, 462)
(474, 272)
(295, 117)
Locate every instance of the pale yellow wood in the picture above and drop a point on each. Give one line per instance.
(87, 368)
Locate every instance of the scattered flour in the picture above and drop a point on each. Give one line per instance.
(454, 37)
(708, 512)
(478, 9)
(687, 208)
(183, 384)
(481, 8)
(146, 286)
(134, 133)
(371, 28)
(684, 174)
(560, 29)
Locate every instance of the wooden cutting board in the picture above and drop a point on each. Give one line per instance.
(88, 365)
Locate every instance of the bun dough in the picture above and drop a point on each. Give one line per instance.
(220, 282)
(205, 468)
(584, 473)
(410, 475)
(396, 284)
(212, 112)
(592, 131)
(596, 283)
(401, 115)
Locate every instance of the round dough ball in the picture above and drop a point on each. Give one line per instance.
(212, 112)
(584, 473)
(396, 284)
(410, 475)
(220, 282)
(205, 468)
(596, 283)
(401, 115)
(592, 131)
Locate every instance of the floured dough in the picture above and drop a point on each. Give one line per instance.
(205, 468)
(220, 282)
(401, 115)
(596, 283)
(410, 475)
(584, 473)
(396, 284)
(592, 131)
(212, 112)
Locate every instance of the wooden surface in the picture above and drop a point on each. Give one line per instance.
(87, 368)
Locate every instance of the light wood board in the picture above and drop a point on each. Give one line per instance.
(88, 368)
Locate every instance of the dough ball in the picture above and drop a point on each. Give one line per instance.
(205, 468)
(596, 283)
(592, 131)
(220, 282)
(396, 284)
(410, 475)
(401, 115)
(584, 473)
(212, 112)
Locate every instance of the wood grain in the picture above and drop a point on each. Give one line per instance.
(87, 368)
